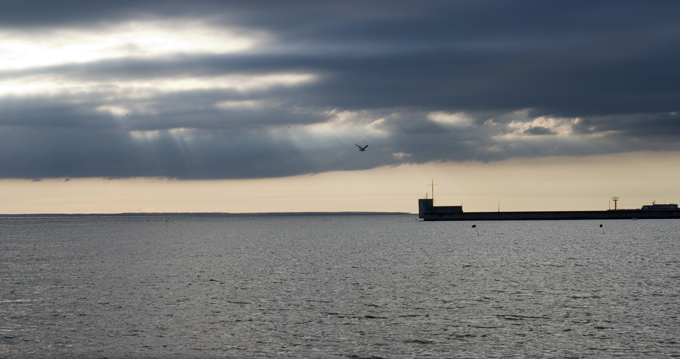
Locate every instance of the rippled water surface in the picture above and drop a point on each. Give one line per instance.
(337, 287)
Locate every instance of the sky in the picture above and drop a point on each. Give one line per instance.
(257, 106)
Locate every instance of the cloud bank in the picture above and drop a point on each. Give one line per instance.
(208, 90)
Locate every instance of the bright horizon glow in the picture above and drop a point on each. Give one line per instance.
(544, 184)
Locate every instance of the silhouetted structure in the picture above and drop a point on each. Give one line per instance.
(428, 212)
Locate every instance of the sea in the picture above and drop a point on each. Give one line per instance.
(337, 286)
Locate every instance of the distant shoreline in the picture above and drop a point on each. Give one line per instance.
(198, 214)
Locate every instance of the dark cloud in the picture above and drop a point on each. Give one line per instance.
(538, 130)
(417, 81)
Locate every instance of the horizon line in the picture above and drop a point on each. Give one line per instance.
(166, 214)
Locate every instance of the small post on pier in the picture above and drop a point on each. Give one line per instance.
(615, 199)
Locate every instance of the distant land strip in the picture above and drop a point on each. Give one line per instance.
(197, 214)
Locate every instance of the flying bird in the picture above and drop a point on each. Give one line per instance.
(361, 148)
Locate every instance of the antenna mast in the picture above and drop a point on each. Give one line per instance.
(433, 184)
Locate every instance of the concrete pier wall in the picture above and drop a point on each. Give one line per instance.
(428, 212)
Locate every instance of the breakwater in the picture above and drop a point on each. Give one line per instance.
(428, 212)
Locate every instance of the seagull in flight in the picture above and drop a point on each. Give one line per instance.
(362, 149)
